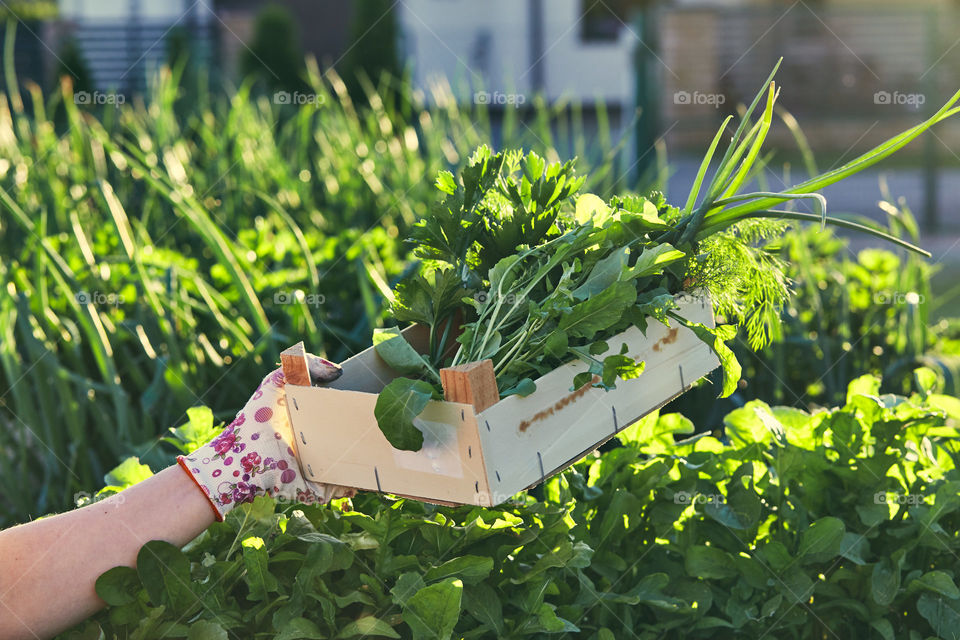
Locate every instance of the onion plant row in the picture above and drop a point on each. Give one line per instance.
(159, 254)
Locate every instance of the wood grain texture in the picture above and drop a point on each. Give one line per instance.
(527, 439)
(296, 371)
(473, 383)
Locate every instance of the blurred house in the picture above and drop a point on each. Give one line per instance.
(854, 71)
(123, 41)
(505, 51)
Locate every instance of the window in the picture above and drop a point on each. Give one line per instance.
(602, 20)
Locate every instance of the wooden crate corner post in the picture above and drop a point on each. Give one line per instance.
(473, 383)
(296, 371)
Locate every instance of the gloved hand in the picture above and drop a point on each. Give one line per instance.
(254, 455)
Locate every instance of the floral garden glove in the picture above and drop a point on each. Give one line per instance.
(254, 455)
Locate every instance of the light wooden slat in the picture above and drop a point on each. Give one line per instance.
(339, 442)
(526, 439)
(484, 458)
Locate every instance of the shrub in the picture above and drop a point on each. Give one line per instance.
(833, 524)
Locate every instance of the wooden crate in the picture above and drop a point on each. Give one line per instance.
(482, 454)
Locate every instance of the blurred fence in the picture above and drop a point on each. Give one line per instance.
(853, 74)
(121, 54)
(841, 63)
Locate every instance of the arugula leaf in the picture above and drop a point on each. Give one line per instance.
(717, 339)
(605, 272)
(622, 367)
(523, 388)
(397, 405)
(433, 611)
(600, 311)
(399, 355)
(258, 576)
(653, 259)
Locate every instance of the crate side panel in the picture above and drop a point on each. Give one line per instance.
(338, 442)
(528, 439)
(367, 372)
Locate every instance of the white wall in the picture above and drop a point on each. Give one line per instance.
(119, 10)
(487, 45)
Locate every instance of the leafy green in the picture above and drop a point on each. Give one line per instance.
(400, 402)
(534, 274)
(393, 347)
(433, 611)
(673, 535)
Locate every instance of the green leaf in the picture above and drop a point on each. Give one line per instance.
(446, 182)
(936, 581)
(822, 540)
(394, 349)
(717, 339)
(752, 423)
(299, 629)
(258, 577)
(866, 385)
(620, 367)
(591, 208)
(708, 562)
(885, 582)
(165, 573)
(523, 388)
(943, 614)
(927, 380)
(605, 272)
(470, 569)
(397, 406)
(884, 628)
(407, 585)
(947, 404)
(197, 431)
(127, 473)
(556, 345)
(206, 630)
(599, 312)
(854, 548)
(653, 260)
(483, 603)
(432, 612)
(118, 586)
(368, 626)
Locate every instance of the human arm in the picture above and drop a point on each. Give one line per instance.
(48, 567)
